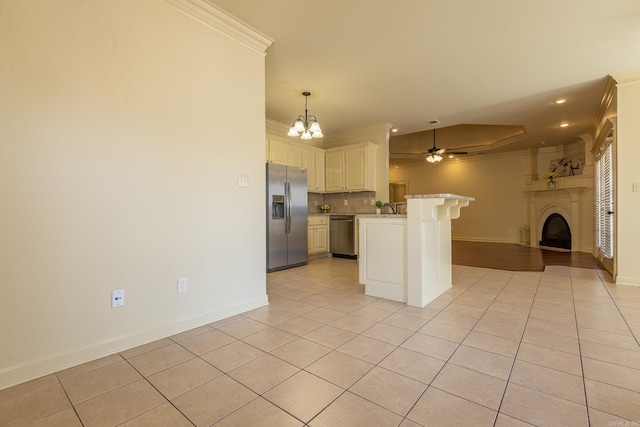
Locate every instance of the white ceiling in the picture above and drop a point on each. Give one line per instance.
(405, 62)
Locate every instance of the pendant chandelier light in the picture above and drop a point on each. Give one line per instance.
(307, 125)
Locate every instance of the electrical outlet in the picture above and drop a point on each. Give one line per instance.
(117, 298)
(636, 187)
(346, 202)
(182, 285)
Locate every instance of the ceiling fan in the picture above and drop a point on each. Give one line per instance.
(434, 154)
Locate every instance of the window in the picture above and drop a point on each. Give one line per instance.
(604, 192)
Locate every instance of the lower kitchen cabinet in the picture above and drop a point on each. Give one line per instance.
(318, 234)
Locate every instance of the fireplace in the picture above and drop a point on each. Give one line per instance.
(562, 217)
(556, 232)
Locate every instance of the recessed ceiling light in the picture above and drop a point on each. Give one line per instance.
(560, 101)
(394, 130)
(564, 125)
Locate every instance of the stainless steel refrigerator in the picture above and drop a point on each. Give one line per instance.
(286, 216)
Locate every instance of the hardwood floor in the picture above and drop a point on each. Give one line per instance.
(506, 256)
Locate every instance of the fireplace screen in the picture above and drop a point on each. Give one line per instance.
(556, 232)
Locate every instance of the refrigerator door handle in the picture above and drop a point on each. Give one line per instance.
(287, 207)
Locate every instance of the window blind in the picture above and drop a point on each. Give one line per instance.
(604, 192)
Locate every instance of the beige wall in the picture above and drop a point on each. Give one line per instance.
(497, 183)
(125, 125)
(627, 155)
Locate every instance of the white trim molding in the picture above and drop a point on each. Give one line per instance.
(225, 23)
(20, 373)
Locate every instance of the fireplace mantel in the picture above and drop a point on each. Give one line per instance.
(573, 199)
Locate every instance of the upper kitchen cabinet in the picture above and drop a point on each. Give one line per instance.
(277, 151)
(313, 160)
(351, 168)
(284, 153)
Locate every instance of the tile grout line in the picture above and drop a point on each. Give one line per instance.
(456, 348)
(575, 318)
(68, 398)
(515, 356)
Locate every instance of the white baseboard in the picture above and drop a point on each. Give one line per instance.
(629, 281)
(18, 374)
(484, 240)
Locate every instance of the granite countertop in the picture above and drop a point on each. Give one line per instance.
(334, 213)
(439, 196)
(373, 215)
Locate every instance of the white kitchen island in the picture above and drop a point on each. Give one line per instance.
(407, 258)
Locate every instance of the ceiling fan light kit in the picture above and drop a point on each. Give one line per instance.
(434, 158)
(307, 125)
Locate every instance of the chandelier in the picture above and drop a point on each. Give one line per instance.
(307, 124)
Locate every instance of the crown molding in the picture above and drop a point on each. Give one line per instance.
(376, 130)
(215, 17)
(631, 76)
(276, 128)
(606, 102)
(601, 141)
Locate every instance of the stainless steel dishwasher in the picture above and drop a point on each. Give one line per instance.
(342, 234)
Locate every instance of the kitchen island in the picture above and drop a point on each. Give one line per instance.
(407, 258)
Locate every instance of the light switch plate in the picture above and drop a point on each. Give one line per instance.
(636, 187)
(243, 181)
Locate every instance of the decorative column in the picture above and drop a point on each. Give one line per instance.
(534, 233)
(531, 166)
(588, 167)
(576, 214)
(429, 244)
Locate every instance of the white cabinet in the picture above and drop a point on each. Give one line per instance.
(351, 168)
(318, 234)
(335, 170)
(278, 151)
(313, 161)
(382, 260)
(284, 153)
(294, 156)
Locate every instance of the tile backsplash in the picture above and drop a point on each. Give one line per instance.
(358, 203)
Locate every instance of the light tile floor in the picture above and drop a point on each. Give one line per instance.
(500, 348)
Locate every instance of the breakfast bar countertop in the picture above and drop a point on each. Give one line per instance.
(374, 215)
(439, 196)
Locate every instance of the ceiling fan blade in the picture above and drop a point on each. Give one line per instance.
(407, 155)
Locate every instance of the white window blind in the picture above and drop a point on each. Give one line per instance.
(604, 192)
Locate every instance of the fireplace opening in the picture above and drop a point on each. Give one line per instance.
(556, 232)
